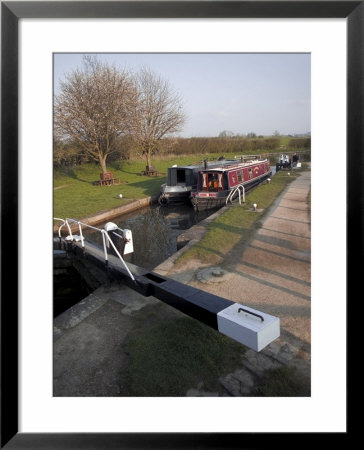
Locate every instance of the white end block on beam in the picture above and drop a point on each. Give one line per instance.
(246, 328)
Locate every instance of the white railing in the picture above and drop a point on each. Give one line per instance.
(106, 240)
(240, 189)
(60, 228)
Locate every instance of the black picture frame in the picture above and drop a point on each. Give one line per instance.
(11, 12)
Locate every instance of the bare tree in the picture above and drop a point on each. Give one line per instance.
(96, 105)
(159, 112)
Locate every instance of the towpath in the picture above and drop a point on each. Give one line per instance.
(272, 273)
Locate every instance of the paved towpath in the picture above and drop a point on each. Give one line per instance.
(273, 272)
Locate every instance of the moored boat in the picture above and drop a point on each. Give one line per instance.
(182, 180)
(216, 185)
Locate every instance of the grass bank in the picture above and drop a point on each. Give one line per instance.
(238, 223)
(76, 196)
(178, 354)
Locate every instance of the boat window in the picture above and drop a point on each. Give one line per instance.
(211, 182)
(250, 171)
(240, 175)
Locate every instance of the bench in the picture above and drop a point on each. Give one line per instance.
(150, 171)
(107, 179)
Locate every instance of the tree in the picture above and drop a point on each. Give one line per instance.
(251, 135)
(96, 105)
(159, 112)
(226, 133)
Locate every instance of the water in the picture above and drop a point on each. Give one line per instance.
(155, 230)
(68, 289)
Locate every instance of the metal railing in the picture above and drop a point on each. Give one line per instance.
(106, 240)
(240, 189)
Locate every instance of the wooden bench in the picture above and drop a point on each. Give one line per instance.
(107, 179)
(150, 171)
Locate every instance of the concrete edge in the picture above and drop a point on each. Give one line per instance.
(112, 213)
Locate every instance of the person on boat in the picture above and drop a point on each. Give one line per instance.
(213, 183)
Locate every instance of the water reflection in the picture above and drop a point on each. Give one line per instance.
(155, 230)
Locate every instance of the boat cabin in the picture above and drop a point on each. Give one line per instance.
(227, 177)
(218, 184)
(183, 176)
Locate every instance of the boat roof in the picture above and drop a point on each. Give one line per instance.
(210, 164)
(233, 165)
(191, 166)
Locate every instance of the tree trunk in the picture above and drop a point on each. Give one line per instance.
(102, 160)
(148, 156)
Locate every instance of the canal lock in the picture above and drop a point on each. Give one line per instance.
(155, 237)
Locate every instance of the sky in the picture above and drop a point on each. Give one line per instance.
(236, 92)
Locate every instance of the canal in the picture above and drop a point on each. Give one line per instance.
(155, 230)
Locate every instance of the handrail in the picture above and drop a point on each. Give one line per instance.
(237, 189)
(105, 238)
(60, 228)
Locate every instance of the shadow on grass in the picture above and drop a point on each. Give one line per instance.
(71, 173)
(67, 172)
(150, 186)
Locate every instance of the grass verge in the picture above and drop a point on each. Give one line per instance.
(176, 355)
(75, 195)
(238, 223)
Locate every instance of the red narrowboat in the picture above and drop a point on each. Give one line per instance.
(219, 184)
